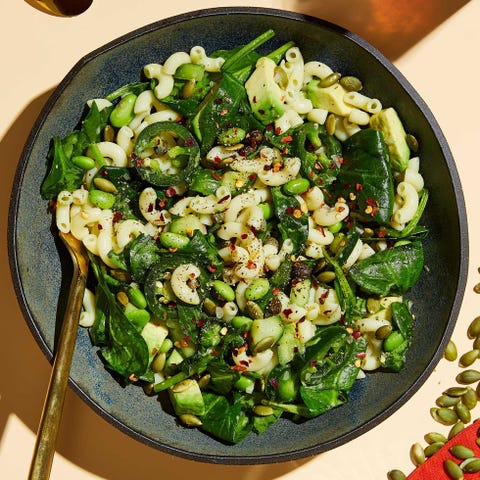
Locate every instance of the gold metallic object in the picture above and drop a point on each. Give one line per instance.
(52, 410)
(65, 8)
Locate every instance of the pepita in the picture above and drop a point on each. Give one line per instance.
(451, 352)
(469, 399)
(447, 401)
(204, 380)
(472, 466)
(455, 430)
(473, 330)
(190, 420)
(463, 412)
(446, 416)
(453, 470)
(433, 437)
(468, 376)
(330, 124)
(329, 80)
(433, 448)
(253, 310)
(383, 332)
(412, 142)
(417, 454)
(351, 83)
(396, 475)
(468, 358)
(263, 344)
(373, 305)
(476, 342)
(461, 451)
(262, 410)
(104, 184)
(456, 391)
(326, 276)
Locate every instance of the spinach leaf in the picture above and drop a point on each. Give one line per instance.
(141, 253)
(135, 87)
(205, 252)
(205, 181)
(402, 320)
(63, 173)
(366, 177)
(391, 271)
(293, 222)
(224, 419)
(124, 349)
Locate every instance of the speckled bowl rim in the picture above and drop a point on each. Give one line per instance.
(463, 233)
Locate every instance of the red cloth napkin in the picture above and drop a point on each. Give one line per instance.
(433, 468)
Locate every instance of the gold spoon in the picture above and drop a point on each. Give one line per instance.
(52, 410)
(65, 8)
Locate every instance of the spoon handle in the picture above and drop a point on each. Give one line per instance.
(52, 410)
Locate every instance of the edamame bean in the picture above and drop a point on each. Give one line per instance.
(101, 199)
(297, 186)
(173, 240)
(257, 289)
(84, 162)
(123, 113)
(242, 323)
(137, 297)
(138, 316)
(393, 341)
(336, 228)
(231, 136)
(266, 210)
(224, 290)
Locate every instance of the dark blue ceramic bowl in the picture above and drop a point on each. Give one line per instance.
(41, 267)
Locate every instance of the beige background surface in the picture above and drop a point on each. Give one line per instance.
(434, 43)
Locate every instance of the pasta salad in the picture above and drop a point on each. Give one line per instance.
(252, 222)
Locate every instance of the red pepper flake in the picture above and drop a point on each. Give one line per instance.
(252, 176)
(261, 111)
(215, 176)
(275, 291)
(162, 203)
(287, 139)
(217, 159)
(251, 265)
(323, 297)
(358, 187)
(211, 268)
(238, 368)
(287, 312)
(133, 377)
(99, 226)
(360, 355)
(200, 322)
(254, 99)
(244, 236)
(313, 363)
(224, 199)
(382, 233)
(117, 216)
(150, 207)
(189, 142)
(356, 334)
(289, 210)
(274, 383)
(223, 112)
(154, 351)
(217, 101)
(278, 131)
(170, 192)
(340, 160)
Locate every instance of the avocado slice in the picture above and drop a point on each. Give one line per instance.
(264, 94)
(328, 98)
(186, 397)
(388, 122)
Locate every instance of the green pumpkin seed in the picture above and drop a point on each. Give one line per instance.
(350, 83)
(455, 430)
(471, 466)
(262, 410)
(476, 288)
(190, 420)
(330, 124)
(433, 448)
(447, 401)
(463, 412)
(469, 399)
(456, 391)
(329, 80)
(209, 306)
(373, 305)
(417, 454)
(453, 470)
(204, 380)
(468, 358)
(264, 344)
(473, 330)
(446, 416)
(396, 475)
(468, 376)
(412, 142)
(433, 437)
(158, 363)
(104, 184)
(383, 332)
(461, 451)
(253, 310)
(109, 134)
(326, 276)
(451, 352)
(476, 342)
